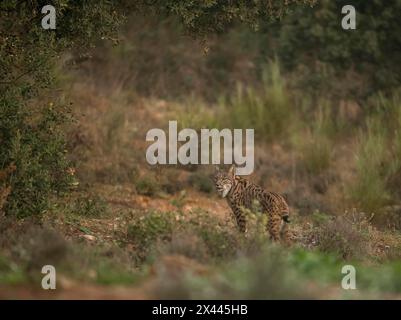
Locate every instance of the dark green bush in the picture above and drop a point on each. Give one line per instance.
(34, 143)
(147, 185)
(31, 117)
(342, 63)
(150, 228)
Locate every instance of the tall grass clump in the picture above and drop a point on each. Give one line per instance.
(388, 110)
(369, 191)
(315, 147)
(267, 110)
(204, 117)
(378, 155)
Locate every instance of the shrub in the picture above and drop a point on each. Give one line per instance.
(201, 182)
(311, 43)
(221, 241)
(147, 185)
(343, 237)
(150, 228)
(31, 122)
(171, 181)
(30, 246)
(34, 143)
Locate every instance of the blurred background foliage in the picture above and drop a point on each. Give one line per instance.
(33, 113)
(246, 57)
(310, 44)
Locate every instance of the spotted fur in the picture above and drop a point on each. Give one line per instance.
(241, 193)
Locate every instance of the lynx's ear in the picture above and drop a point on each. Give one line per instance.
(231, 171)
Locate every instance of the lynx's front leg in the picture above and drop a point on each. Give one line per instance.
(240, 218)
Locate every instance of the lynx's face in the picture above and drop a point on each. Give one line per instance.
(223, 183)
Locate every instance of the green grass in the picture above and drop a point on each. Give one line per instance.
(109, 273)
(91, 206)
(10, 272)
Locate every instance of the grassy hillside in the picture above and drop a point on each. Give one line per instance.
(130, 230)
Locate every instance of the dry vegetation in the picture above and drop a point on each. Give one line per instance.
(130, 230)
(138, 229)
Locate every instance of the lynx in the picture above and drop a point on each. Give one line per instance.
(240, 193)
